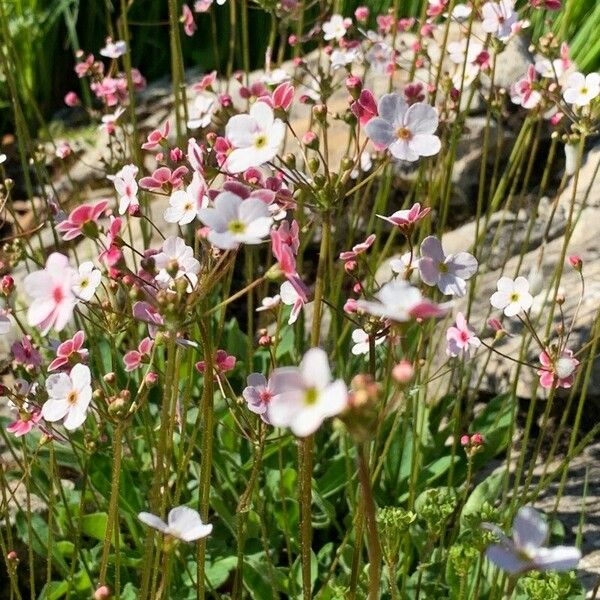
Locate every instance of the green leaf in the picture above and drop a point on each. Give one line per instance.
(94, 525)
(54, 590)
(218, 572)
(487, 491)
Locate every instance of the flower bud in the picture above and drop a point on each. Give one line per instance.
(7, 285)
(311, 140)
(150, 379)
(110, 378)
(320, 112)
(403, 372)
(576, 262)
(103, 592)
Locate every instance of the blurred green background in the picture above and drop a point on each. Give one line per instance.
(43, 36)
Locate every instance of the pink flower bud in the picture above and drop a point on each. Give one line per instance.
(350, 306)
(102, 593)
(292, 40)
(349, 266)
(495, 325)
(310, 140)
(7, 285)
(71, 99)
(176, 154)
(576, 262)
(403, 372)
(464, 440)
(12, 556)
(477, 439)
(151, 379)
(361, 14)
(357, 288)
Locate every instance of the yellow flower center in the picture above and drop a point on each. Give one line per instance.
(236, 227)
(260, 141)
(72, 397)
(402, 133)
(311, 396)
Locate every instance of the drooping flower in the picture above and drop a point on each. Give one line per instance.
(133, 359)
(450, 272)
(305, 396)
(157, 137)
(202, 111)
(526, 550)
(86, 281)
(82, 221)
(365, 107)
(126, 186)
(461, 340)
(524, 91)
(52, 295)
(557, 370)
(187, 18)
(256, 138)
(223, 363)
(512, 296)
(69, 352)
(183, 523)
(112, 251)
(27, 420)
(406, 131)
(400, 301)
(234, 221)
(361, 342)
(175, 261)
(582, 89)
(24, 353)
(184, 205)
(269, 303)
(68, 397)
(406, 219)
(291, 297)
(358, 249)
(144, 311)
(257, 394)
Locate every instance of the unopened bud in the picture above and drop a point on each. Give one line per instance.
(403, 372)
(102, 593)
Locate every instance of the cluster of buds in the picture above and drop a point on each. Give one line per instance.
(472, 443)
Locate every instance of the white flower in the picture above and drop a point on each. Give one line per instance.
(457, 51)
(86, 281)
(461, 12)
(405, 266)
(176, 260)
(114, 49)
(304, 396)
(256, 138)
(2, 158)
(335, 28)
(407, 131)
(450, 272)
(582, 89)
(68, 397)
(342, 58)
(234, 221)
(512, 296)
(290, 297)
(366, 163)
(184, 205)
(361, 342)
(269, 303)
(183, 523)
(126, 186)
(400, 301)
(202, 111)
(499, 18)
(275, 77)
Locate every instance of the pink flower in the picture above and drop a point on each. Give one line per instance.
(144, 311)
(524, 91)
(361, 14)
(286, 235)
(365, 108)
(206, 82)
(223, 362)
(25, 423)
(547, 4)
(112, 253)
(358, 249)
(52, 296)
(187, 18)
(126, 186)
(163, 179)
(25, 354)
(157, 137)
(134, 358)
(82, 221)
(461, 339)
(258, 394)
(71, 99)
(557, 370)
(281, 97)
(406, 219)
(69, 352)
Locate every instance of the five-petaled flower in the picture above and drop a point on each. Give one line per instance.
(406, 131)
(68, 397)
(558, 368)
(512, 296)
(461, 340)
(582, 89)
(526, 550)
(83, 220)
(69, 352)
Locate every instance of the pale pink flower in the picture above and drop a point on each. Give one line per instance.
(406, 219)
(126, 186)
(69, 352)
(461, 340)
(256, 138)
(281, 98)
(269, 303)
(400, 301)
(258, 394)
(512, 296)
(68, 397)
(499, 18)
(144, 311)
(406, 131)
(83, 220)
(183, 523)
(524, 92)
(234, 221)
(448, 273)
(291, 297)
(304, 396)
(557, 370)
(201, 111)
(175, 261)
(184, 206)
(187, 18)
(51, 292)
(134, 358)
(358, 249)
(27, 420)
